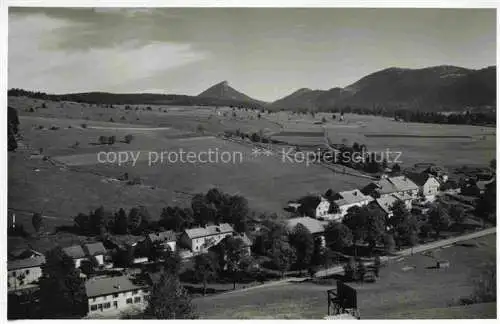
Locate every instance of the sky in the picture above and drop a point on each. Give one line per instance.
(266, 53)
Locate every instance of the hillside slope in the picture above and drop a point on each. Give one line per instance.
(431, 89)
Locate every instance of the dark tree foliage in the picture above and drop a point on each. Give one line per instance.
(303, 242)
(11, 139)
(283, 256)
(62, 290)
(169, 300)
(404, 224)
(487, 204)
(338, 236)
(176, 218)
(308, 205)
(205, 268)
(121, 222)
(37, 221)
(439, 218)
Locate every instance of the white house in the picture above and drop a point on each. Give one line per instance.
(346, 200)
(427, 183)
(113, 295)
(166, 240)
(22, 273)
(200, 239)
(322, 208)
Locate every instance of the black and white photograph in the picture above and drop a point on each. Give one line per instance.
(307, 162)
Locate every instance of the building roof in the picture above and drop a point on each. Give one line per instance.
(403, 183)
(313, 225)
(32, 262)
(209, 230)
(23, 254)
(109, 285)
(384, 186)
(94, 248)
(351, 197)
(166, 236)
(386, 202)
(419, 178)
(74, 252)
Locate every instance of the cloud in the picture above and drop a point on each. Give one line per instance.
(37, 61)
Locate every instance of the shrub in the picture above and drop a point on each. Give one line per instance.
(128, 138)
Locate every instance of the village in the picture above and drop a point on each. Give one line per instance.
(349, 228)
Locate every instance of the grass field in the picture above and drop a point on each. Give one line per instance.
(74, 181)
(416, 293)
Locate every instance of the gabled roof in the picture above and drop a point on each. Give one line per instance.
(313, 225)
(74, 252)
(383, 186)
(92, 249)
(351, 197)
(419, 178)
(109, 285)
(166, 236)
(35, 261)
(386, 202)
(403, 183)
(209, 230)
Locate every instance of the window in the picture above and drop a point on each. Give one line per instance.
(93, 299)
(137, 299)
(104, 298)
(129, 300)
(115, 304)
(134, 292)
(27, 272)
(93, 307)
(107, 305)
(115, 295)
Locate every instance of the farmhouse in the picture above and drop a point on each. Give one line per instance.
(95, 252)
(401, 186)
(114, 295)
(162, 241)
(24, 272)
(322, 208)
(351, 198)
(199, 240)
(428, 184)
(316, 227)
(76, 253)
(385, 204)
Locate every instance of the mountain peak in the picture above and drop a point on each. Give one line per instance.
(223, 90)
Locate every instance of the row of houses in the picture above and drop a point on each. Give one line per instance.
(384, 193)
(114, 294)
(412, 188)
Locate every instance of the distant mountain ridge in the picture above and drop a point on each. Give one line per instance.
(433, 88)
(437, 88)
